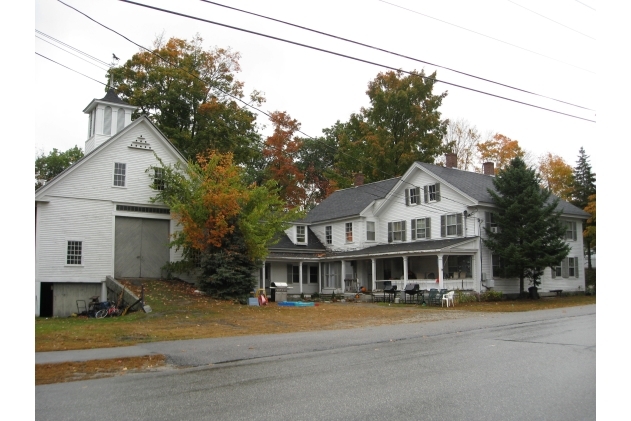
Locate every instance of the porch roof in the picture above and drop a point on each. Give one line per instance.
(406, 248)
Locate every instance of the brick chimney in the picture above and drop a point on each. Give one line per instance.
(451, 160)
(488, 168)
(359, 179)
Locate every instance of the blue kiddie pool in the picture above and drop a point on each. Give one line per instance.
(295, 304)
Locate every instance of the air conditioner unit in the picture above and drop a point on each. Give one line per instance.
(494, 230)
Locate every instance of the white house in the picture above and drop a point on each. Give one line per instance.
(95, 219)
(424, 227)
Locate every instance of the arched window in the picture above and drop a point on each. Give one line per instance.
(107, 120)
(120, 120)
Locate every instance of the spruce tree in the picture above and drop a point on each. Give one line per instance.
(583, 189)
(530, 235)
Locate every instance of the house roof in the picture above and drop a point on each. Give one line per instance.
(313, 243)
(349, 202)
(109, 97)
(406, 247)
(476, 186)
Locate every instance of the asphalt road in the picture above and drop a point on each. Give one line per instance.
(518, 366)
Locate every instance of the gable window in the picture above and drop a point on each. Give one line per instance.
(107, 120)
(158, 179)
(349, 232)
(421, 228)
(328, 233)
(119, 174)
(301, 236)
(396, 231)
(412, 196)
(570, 231)
(431, 193)
(370, 231)
(74, 252)
(120, 120)
(451, 225)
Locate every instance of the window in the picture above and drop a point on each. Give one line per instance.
(396, 231)
(158, 179)
(120, 120)
(313, 274)
(432, 193)
(556, 271)
(107, 121)
(370, 231)
(490, 221)
(412, 196)
(73, 256)
(195, 256)
(421, 228)
(570, 231)
(293, 274)
(119, 174)
(451, 225)
(349, 232)
(301, 236)
(328, 232)
(458, 267)
(572, 267)
(499, 271)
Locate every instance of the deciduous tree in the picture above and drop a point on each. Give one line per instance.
(499, 149)
(530, 235)
(462, 138)
(556, 175)
(189, 93)
(49, 166)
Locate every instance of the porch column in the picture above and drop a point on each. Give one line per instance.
(262, 281)
(405, 271)
(319, 277)
(104, 290)
(300, 275)
(343, 274)
(373, 262)
(440, 271)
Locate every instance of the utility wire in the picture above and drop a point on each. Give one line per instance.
(66, 51)
(551, 20)
(72, 48)
(392, 53)
(353, 58)
(488, 36)
(70, 68)
(586, 5)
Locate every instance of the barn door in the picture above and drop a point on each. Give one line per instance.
(141, 247)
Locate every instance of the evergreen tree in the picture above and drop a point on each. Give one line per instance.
(530, 236)
(584, 187)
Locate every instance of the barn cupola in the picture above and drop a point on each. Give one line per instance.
(107, 116)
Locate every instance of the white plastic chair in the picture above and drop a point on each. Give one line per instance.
(448, 297)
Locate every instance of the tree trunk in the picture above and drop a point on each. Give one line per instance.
(589, 255)
(521, 285)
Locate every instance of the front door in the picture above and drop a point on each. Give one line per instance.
(141, 247)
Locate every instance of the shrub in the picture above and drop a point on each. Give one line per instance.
(491, 296)
(464, 297)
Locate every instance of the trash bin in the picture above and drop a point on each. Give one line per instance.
(279, 291)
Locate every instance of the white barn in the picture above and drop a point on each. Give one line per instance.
(96, 219)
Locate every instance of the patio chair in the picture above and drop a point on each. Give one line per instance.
(434, 296)
(449, 297)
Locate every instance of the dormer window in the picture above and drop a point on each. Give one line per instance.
(301, 234)
(431, 193)
(349, 232)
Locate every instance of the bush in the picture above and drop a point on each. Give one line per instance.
(464, 297)
(491, 296)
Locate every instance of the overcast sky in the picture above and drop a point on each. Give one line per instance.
(549, 50)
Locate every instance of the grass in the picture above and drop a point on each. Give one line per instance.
(179, 312)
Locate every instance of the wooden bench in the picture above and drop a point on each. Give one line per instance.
(558, 291)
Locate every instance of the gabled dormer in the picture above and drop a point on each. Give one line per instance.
(106, 117)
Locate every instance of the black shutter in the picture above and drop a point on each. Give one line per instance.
(443, 229)
(565, 271)
(437, 192)
(425, 194)
(403, 237)
(553, 272)
(389, 232)
(407, 197)
(413, 224)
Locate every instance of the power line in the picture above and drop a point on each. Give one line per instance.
(72, 48)
(488, 36)
(66, 51)
(70, 68)
(354, 58)
(586, 5)
(552, 20)
(393, 53)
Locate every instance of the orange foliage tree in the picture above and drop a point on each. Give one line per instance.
(281, 152)
(556, 175)
(501, 150)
